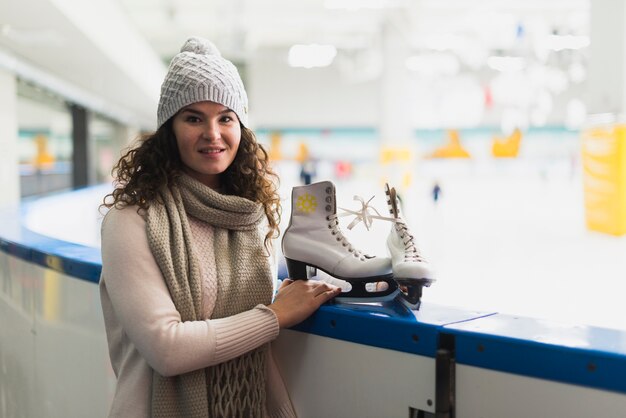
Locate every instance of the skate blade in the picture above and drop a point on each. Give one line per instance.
(413, 305)
(425, 282)
(367, 293)
(304, 270)
(411, 292)
(367, 299)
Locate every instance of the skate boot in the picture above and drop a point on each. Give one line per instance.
(314, 239)
(410, 269)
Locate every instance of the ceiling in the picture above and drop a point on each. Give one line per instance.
(111, 55)
(87, 52)
(241, 26)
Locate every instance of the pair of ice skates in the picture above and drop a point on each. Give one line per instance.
(314, 240)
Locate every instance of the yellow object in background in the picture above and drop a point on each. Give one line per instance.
(604, 178)
(274, 152)
(43, 159)
(397, 165)
(389, 154)
(303, 153)
(507, 147)
(451, 149)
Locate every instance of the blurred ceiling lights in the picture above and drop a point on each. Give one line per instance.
(505, 64)
(561, 42)
(355, 5)
(32, 37)
(312, 55)
(445, 64)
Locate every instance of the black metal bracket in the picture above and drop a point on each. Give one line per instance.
(445, 377)
(444, 381)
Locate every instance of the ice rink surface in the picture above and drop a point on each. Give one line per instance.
(507, 235)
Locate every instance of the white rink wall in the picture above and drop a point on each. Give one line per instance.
(54, 360)
(350, 360)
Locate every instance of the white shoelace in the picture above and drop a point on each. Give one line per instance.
(365, 215)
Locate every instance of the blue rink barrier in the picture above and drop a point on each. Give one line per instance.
(580, 355)
(481, 353)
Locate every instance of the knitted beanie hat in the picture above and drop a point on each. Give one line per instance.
(199, 73)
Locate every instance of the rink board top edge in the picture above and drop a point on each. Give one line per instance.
(388, 325)
(76, 260)
(570, 353)
(575, 354)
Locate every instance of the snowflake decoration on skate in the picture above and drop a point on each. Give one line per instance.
(306, 203)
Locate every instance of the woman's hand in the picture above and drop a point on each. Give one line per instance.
(298, 299)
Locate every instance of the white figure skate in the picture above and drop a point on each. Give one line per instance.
(410, 269)
(314, 239)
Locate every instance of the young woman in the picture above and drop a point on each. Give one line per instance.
(187, 284)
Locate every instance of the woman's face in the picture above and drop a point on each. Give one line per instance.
(208, 136)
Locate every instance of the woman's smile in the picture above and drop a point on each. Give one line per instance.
(208, 136)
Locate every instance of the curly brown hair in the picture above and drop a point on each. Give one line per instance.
(155, 162)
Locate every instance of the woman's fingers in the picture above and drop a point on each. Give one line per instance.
(285, 282)
(326, 290)
(298, 299)
(318, 287)
(329, 294)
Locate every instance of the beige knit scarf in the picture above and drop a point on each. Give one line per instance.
(235, 388)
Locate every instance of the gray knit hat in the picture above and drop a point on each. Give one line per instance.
(199, 73)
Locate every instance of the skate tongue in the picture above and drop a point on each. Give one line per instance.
(393, 202)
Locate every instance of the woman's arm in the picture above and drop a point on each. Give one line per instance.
(146, 312)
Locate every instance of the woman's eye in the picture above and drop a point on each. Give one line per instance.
(226, 119)
(193, 119)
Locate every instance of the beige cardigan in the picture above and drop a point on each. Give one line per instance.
(144, 329)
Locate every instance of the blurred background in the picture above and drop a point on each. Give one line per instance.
(498, 122)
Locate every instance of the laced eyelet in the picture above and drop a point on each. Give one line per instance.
(338, 238)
